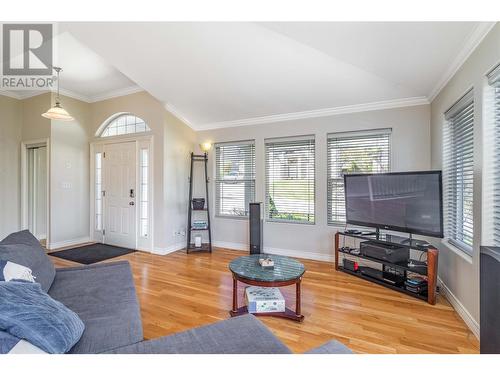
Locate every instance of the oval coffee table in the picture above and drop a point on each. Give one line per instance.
(286, 271)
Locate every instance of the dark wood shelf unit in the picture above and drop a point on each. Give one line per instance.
(401, 289)
(432, 263)
(206, 247)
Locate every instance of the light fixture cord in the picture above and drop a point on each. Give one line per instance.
(57, 69)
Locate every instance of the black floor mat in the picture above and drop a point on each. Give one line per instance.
(92, 253)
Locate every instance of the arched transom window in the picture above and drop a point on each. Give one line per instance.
(125, 124)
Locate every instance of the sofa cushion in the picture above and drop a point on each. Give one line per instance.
(331, 347)
(24, 249)
(29, 313)
(103, 295)
(241, 335)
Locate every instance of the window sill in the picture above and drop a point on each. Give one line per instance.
(289, 222)
(462, 254)
(231, 217)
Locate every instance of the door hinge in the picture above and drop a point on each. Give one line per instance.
(104, 193)
(104, 232)
(104, 155)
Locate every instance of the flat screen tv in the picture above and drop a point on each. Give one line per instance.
(408, 202)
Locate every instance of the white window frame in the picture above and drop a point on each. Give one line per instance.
(351, 134)
(216, 181)
(450, 200)
(284, 140)
(111, 121)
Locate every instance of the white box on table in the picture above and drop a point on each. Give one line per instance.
(261, 300)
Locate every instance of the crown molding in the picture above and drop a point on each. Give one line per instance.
(116, 93)
(374, 106)
(474, 39)
(71, 94)
(170, 108)
(10, 94)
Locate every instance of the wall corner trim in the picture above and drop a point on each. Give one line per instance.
(459, 308)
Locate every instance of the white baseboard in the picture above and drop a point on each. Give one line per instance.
(73, 242)
(459, 308)
(300, 254)
(169, 249)
(277, 251)
(232, 245)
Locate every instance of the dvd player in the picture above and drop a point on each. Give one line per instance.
(387, 277)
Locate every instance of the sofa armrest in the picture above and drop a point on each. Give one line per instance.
(331, 347)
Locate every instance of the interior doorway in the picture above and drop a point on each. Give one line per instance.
(35, 189)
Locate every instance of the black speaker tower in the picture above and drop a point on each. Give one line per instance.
(256, 228)
(490, 300)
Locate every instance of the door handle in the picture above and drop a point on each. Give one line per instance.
(131, 203)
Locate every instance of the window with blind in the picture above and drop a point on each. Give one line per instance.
(290, 179)
(353, 152)
(458, 173)
(234, 178)
(494, 81)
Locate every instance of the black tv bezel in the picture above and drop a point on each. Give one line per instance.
(439, 234)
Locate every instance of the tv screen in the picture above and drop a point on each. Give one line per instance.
(406, 202)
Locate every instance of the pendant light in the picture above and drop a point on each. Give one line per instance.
(57, 112)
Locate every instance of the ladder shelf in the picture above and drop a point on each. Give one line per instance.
(205, 247)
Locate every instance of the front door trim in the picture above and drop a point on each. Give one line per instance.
(141, 142)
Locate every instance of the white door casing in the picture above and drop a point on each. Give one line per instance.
(119, 184)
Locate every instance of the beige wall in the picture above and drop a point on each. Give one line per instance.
(179, 141)
(34, 125)
(410, 151)
(172, 142)
(21, 120)
(69, 175)
(459, 272)
(10, 145)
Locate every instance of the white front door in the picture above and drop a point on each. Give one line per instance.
(119, 201)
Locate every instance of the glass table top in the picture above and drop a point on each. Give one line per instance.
(285, 269)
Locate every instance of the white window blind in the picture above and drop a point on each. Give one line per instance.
(494, 80)
(235, 178)
(458, 172)
(290, 179)
(353, 152)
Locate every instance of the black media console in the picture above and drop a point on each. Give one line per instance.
(399, 263)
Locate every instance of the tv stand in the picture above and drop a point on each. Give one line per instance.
(403, 267)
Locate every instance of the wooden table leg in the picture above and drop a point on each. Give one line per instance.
(235, 295)
(297, 297)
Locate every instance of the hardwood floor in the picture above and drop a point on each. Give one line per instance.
(178, 291)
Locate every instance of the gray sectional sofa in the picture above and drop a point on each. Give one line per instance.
(104, 297)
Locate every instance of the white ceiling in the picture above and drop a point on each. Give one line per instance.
(230, 74)
(86, 75)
